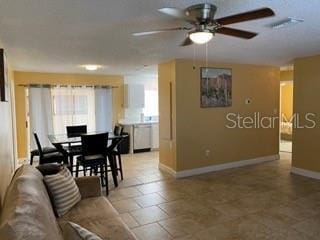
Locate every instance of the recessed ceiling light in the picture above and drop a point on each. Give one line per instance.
(286, 22)
(91, 67)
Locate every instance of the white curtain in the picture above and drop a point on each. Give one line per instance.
(40, 114)
(73, 106)
(103, 109)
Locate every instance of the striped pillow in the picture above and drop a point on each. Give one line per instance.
(64, 191)
(81, 233)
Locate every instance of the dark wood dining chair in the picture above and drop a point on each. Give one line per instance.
(45, 150)
(114, 150)
(51, 157)
(74, 149)
(76, 131)
(117, 130)
(94, 156)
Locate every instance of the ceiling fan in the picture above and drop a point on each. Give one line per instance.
(202, 25)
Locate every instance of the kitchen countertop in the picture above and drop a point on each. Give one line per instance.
(130, 122)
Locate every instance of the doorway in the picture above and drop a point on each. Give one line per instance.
(286, 104)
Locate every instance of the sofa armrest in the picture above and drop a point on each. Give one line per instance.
(89, 186)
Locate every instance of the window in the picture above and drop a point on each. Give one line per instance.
(73, 106)
(151, 103)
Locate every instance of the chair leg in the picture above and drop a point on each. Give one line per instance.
(101, 173)
(113, 170)
(77, 169)
(115, 163)
(106, 177)
(71, 163)
(120, 165)
(84, 171)
(31, 159)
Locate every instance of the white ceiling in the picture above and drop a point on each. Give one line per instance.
(60, 35)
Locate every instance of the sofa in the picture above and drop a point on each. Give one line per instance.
(28, 214)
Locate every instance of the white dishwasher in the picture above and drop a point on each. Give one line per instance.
(142, 137)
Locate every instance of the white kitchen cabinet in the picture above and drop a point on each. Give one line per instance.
(134, 96)
(155, 136)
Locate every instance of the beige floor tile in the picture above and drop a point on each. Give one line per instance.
(130, 182)
(123, 193)
(127, 205)
(295, 211)
(172, 195)
(149, 215)
(218, 232)
(292, 234)
(275, 220)
(312, 201)
(230, 210)
(150, 200)
(250, 229)
(188, 237)
(129, 220)
(310, 227)
(179, 207)
(181, 226)
(151, 232)
(263, 201)
(150, 188)
(209, 217)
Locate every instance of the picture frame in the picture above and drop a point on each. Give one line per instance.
(4, 82)
(215, 87)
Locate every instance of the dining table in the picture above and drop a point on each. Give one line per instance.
(61, 140)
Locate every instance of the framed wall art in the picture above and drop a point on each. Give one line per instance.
(216, 87)
(4, 82)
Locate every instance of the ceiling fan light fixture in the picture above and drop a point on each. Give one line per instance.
(201, 37)
(91, 67)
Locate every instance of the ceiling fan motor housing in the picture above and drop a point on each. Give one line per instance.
(204, 13)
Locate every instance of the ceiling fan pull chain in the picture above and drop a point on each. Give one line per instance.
(194, 57)
(206, 55)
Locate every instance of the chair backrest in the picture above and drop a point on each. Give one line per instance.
(118, 130)
(121, 130)
(38, 143)
(94, 144)
(76, 131)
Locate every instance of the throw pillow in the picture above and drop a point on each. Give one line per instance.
(73, 231)
(64, 191)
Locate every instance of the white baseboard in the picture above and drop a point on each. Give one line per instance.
(22, 160)
(305, 173)
(218, 167)
(167, 169)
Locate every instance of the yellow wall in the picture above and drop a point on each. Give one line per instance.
(57, 78)
(167, 118)
(286, 75)
(306, 151)
(200, 129)
(287, 100)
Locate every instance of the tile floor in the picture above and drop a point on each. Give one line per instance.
(285, 146)
(262, 201)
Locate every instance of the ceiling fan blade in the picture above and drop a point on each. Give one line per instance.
(236, 33)
(173, 12)
(246, 16)
(159, 31)
(177, 13)
(186, 42)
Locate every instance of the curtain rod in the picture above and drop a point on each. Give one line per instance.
(65, 86)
